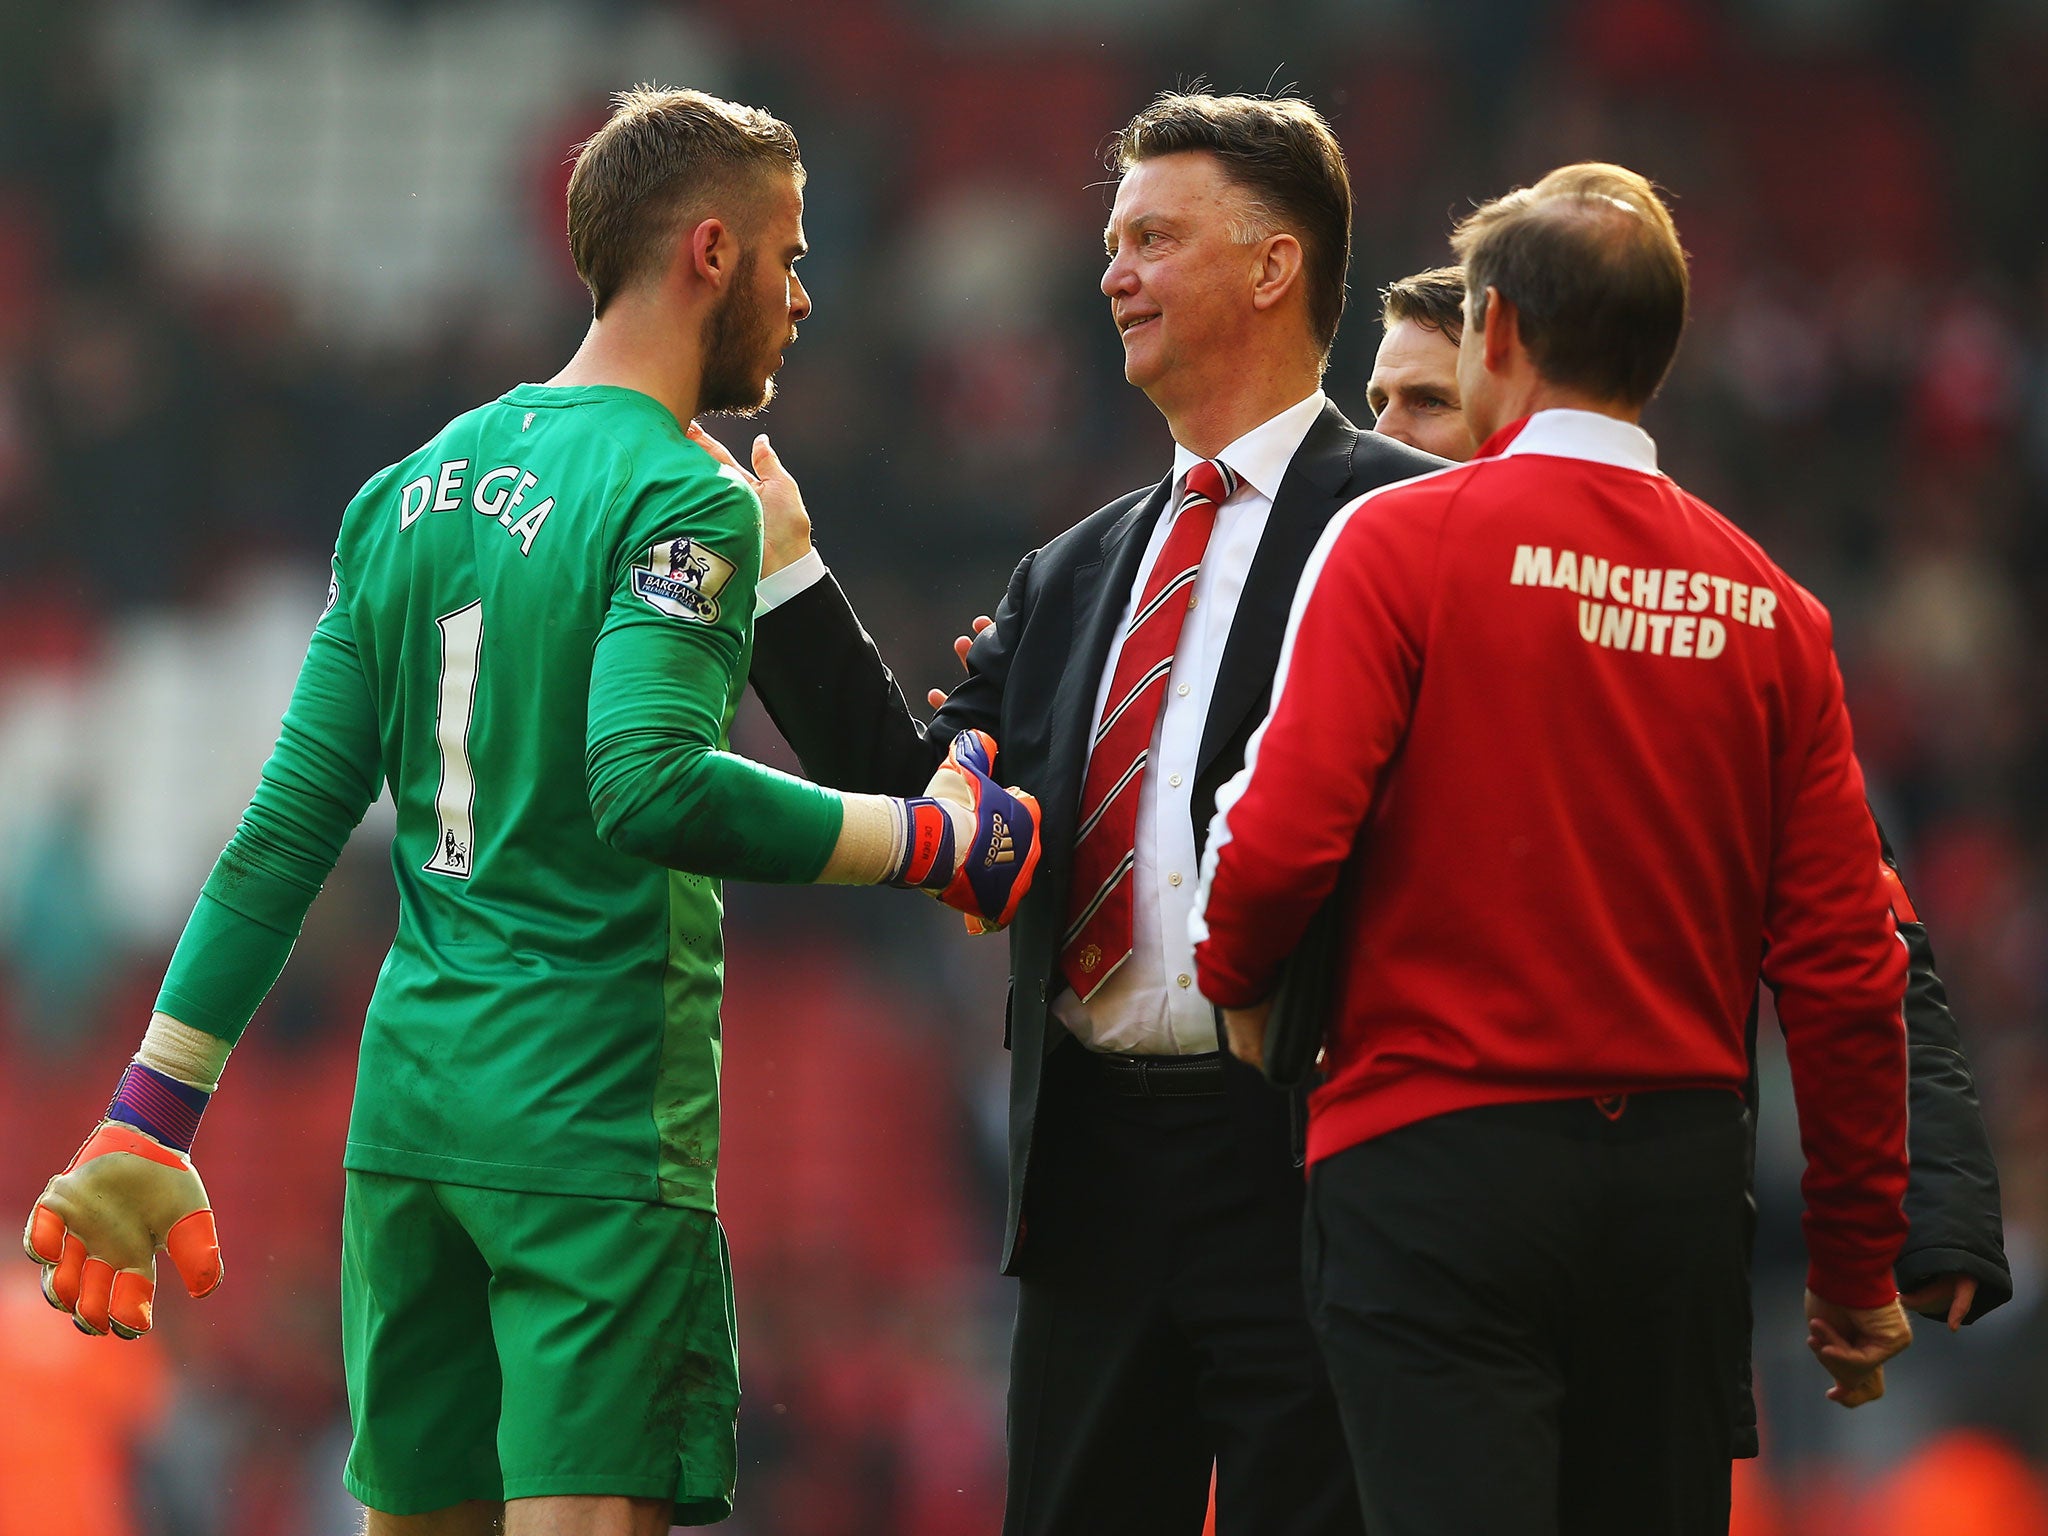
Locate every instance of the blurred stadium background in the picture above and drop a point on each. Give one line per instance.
(250, 252)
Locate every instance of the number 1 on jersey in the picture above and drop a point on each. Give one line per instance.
(462, 635)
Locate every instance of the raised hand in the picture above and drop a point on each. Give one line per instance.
(785, 524)
(962, 644)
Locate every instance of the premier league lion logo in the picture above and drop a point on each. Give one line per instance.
(682, 579)
(686, 563)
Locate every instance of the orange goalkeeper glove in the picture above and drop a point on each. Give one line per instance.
(974, 843)
(98, 1226)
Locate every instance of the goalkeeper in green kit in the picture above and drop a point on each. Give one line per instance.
(537, 632)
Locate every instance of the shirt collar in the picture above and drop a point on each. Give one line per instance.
(1565, 434)
(1262, 455)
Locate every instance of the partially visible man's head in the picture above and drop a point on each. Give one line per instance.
(1434, 300)
(666, 163)
(1588, 266)
(1229, 208)
(1413, 390)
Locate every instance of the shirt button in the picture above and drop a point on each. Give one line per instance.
(1182, 979)
(1174, 780)
(1193, 600)
(1174, 878)
(1182, 690)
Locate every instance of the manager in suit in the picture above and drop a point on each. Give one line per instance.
(1154, 1201)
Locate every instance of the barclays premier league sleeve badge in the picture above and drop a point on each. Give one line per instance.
(683, 579)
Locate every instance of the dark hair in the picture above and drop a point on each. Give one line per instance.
(664, 154)
(1434, 300)
(1590, 259)
(1281, 153)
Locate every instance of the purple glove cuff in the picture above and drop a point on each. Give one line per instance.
(159, 1105)
(927, 855)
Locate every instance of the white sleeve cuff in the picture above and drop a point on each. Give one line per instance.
(800, 575)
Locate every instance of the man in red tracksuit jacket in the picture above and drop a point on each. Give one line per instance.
(1576, 751)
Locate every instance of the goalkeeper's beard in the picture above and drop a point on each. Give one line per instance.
(742, 346)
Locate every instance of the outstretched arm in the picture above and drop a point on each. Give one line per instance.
(661, 786)
(666, 673)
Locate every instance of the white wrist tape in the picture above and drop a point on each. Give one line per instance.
(871, 842)
(192, 1056)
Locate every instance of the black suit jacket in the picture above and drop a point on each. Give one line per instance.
(1031, 684)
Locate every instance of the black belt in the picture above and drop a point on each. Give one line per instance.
(1159, 1077)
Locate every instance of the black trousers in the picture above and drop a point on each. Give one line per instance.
(1161, 1326)
(1536, 1316)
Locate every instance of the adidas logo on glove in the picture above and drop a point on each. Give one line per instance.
(1001, 850)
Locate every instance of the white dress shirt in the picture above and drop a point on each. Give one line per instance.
(1151, 1006)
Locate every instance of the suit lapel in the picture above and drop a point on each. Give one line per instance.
(1302, 509)
(1101, 589)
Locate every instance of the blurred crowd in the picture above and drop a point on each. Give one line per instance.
(196, 375)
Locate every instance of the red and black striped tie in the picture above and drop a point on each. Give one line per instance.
(1098, 934)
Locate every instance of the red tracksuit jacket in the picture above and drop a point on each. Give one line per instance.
(1577, 750)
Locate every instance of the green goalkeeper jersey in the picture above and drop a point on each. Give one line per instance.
(537, 633)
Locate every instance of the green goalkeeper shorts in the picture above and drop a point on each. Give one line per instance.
(503, 1345)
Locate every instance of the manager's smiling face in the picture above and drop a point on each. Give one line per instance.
(1179, 284)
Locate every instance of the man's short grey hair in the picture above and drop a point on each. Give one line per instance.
(1254, 221)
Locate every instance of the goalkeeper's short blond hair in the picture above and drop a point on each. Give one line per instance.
(664, 160)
